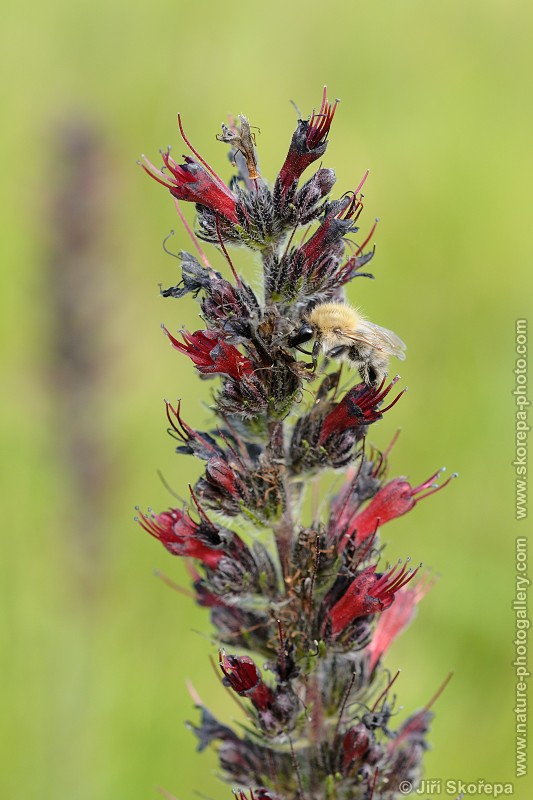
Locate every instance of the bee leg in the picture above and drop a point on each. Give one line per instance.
(363, 372)
(340, 350)
(315, 352)
(369, 375)
(372, 375)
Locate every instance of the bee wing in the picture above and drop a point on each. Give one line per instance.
(377, 337)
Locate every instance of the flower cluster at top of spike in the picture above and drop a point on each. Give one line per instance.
(307, 593)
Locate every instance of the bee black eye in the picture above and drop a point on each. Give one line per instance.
(303, 334)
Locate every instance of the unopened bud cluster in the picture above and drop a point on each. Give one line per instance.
(303, 604)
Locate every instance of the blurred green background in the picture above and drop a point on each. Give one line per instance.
(436, 102)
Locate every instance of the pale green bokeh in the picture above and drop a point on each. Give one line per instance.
(436, 102)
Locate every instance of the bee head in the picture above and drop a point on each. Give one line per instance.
(304, 333)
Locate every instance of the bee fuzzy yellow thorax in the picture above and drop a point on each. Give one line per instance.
(331, 318)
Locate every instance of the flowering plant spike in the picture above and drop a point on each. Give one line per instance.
(303, 604)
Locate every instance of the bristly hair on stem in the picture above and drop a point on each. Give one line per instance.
(302, 604)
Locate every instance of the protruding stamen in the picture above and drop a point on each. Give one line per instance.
(226, 254)
(433, 487)
(386, 690)
(199, 157)
(362, 182)
(361, 247)
(192, 236)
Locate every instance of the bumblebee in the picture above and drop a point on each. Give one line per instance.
(344, 333)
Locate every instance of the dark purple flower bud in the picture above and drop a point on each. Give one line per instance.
(406, 750)
(307, 199)
(225, 485)
(232, 306)
(219, 471)
(243, 761)
(247, 398)
(239, 482)
(205, 597)
(211, 730)
(355, 744)
(194, 277)
(258, 794)
(222, 303)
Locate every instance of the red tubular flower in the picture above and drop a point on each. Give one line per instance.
(191, 182)
(394, 620)
(241, 673)
(369, 593)
(205, 598)
(359, 406)
(320, 123)
(350, 269)
(211, 354)
(393, 500)
(180, 535)
(337, 223)
(307, 145)
(328, 237)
